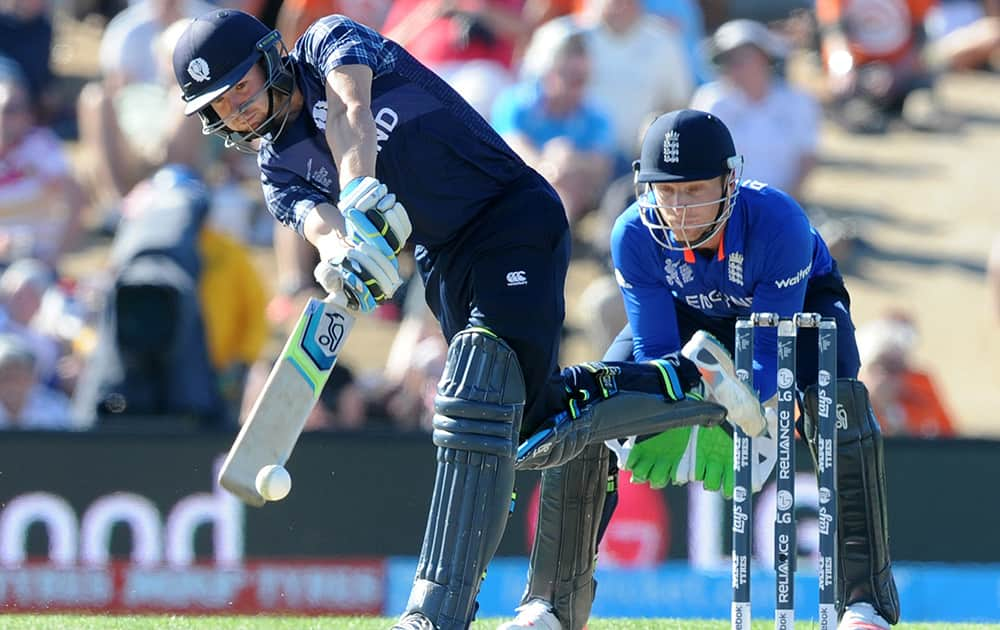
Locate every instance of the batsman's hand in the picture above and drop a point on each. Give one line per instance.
(661, 459)
(373, 216)
(360, 272)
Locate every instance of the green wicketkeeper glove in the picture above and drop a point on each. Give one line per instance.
(713, 459)
(661, 459)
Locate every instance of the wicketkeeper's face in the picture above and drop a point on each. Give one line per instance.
(689, 208)
(241, 107)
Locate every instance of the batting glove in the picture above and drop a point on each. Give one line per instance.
(373, 216)
(360, 272)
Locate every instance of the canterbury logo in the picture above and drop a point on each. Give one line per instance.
(516, 278)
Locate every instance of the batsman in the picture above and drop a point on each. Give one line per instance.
(346, 126)
(698, 249)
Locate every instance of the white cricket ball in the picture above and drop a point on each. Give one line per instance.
(273, 482)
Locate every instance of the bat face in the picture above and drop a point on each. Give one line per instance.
(315, 345)
(292, 388)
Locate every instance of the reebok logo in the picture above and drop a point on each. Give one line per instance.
(516, 278)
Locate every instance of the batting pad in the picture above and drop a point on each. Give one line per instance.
(565, 552)
(479, 407)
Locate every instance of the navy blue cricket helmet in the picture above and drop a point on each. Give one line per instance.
(684, 146)
(215, 51)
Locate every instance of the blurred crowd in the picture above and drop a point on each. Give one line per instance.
(179, 323)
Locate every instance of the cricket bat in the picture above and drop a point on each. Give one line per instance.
(292, 389)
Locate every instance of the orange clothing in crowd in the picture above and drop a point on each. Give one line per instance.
(295, 16)
(876, 30)
(918, 410)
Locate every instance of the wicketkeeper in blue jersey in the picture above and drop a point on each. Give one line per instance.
(698, 249)
(348, 126)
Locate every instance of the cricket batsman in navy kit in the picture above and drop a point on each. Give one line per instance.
(698, 249)
(347, 126)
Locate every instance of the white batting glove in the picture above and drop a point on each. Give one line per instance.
(373, 216)
(361, 272)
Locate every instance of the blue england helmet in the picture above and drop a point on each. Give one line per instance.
(215, 51)
(684, 146)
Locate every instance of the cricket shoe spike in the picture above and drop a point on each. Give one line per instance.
(535, 615)
(862, 616)
(414, 621)
(724, 386)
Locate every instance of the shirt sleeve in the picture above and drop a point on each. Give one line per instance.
(780, 288)
(648, 301)
(336, 41)
(288, 198)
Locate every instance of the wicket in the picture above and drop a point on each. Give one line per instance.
(785, 547)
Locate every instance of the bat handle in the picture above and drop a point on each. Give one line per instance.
(338, 298)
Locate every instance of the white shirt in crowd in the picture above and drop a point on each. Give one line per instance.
(128, 44)
(635, 76)
(29, 213)
(772, 135)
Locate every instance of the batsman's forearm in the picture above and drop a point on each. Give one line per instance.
(321, 221)
(351, 135)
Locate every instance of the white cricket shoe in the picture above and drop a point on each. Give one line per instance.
(719, 375)
(535, 615)
(862, 616)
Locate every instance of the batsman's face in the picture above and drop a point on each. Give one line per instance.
(689, 208)
(244, 106)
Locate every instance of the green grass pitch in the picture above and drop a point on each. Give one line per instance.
(153, 622)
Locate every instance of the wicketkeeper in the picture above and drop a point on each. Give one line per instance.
(698, 249)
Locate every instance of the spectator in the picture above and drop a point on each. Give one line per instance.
(124, 144)
(22, 287)
(25, 403)
(904, 397)
(623, 40)
(295, 16)
(468, 43)
(231, 291)
(40, 201)
(964, 34)
(687, 17)
(152, 357)
(550, 125)
(758, 106)
(873, 55)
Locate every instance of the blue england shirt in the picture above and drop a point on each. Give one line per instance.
(767, 255)
(441, 158)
